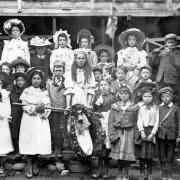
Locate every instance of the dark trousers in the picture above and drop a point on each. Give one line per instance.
(103, 157)
(166, 155)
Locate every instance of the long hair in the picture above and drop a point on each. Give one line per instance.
(86, 68)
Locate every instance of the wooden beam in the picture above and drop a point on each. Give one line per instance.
(19, 6)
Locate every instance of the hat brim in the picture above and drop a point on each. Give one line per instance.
(40, 45)
(13, 22)
(139, 35)
(101, 47)
(31, 71)
(16, 75)
(19, 61)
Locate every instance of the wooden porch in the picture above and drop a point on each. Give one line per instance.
(143, 8)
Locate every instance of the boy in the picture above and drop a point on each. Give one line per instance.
(57, 122)
(168, 132)
(168, 63)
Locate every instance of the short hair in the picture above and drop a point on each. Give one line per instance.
(63, 35)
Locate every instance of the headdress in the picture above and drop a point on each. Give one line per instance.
(37, 41)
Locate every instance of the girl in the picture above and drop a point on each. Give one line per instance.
(102, 103)
(16, 47)
(6, 68)
(35, 137)
(85, 41)
(106, 56)
(121, 125)
(5, 136)
(80, 82)
(147, 124)
(41, 57)
(132, 56)
(17, 111)
(63, 50)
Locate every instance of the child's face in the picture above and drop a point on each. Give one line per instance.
(15, 32)
(121, 75)
(40, 50)
(58, 71)
(62, 42)
(147, 98)
(124, 95)
(145, 74)
(36, 80)
(98, 76)
(104, 56)
(104, 87)
(170, 42)
(84, 43)
(166, 98)
(20, 68)
(6, 69)
(132, 40)
(80, 60)
(20, 81)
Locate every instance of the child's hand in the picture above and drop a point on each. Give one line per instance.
(143, 135)
(150, 137)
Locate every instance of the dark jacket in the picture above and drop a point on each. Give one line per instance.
(168, 66)
(169, 127)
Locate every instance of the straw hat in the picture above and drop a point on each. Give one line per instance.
(13, 22)
(19, 61)
(31, 71)
(139, 35)
(106, 47)
(37, 41)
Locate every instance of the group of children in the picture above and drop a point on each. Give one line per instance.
(137, 117)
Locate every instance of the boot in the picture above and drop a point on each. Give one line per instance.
(106, 173)
(98, 174)
(28, 168)
(163, 171)
(35, 168)
(169, 170)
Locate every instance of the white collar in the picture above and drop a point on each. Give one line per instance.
(169, 105)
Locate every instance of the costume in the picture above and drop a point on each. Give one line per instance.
(5, 112)
(35, 137)
(15, 47)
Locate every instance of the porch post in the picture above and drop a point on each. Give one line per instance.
(19, 6)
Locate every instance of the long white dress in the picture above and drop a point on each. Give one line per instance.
(131, 56)
(15, 48)
(35, 136)
(62, 54)
(5, 135)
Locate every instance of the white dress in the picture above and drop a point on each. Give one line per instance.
(131, 56)
(5, 135)
(15, 48)
(79, 89)
(62, 54)
(35, 136)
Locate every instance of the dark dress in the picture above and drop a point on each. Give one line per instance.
(16, 113)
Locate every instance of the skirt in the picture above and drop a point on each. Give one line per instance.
(146, 150)
(124, 149)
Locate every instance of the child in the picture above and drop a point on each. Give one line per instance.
(6, 68)
(80, 82)
(63, 50)
(147, 124)
(20, 65)
(17, 111)
(15, 47)
(168, 63)
(121, 73)
(85, 41)
(132, 57)
(168, 132)
(122, 119)
(35, 137)
(106, 56)
(41, 57)
(56, 90)
(5, 135)
(102, 103)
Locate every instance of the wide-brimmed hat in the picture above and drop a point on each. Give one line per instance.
(164, 90)
(13, 22)
(170, 36)
(124, 35)
(30, 72)
(84, 33)
(37, 41)
(19, 61)
(17, 74)
(106, 47)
